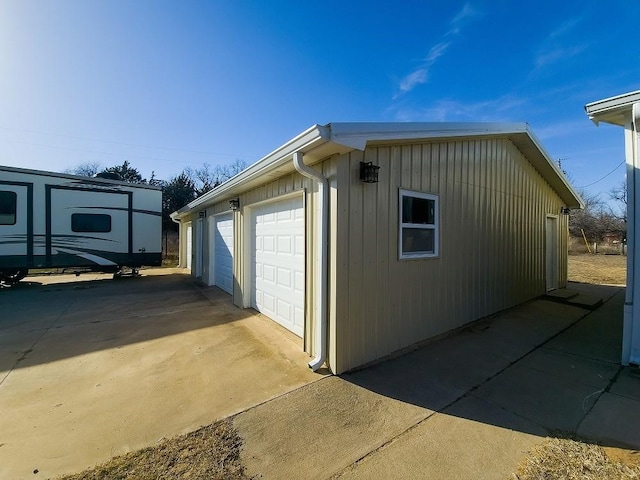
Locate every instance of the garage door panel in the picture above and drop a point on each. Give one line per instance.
(278, 262)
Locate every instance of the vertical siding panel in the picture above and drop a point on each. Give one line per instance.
(339, 334)
(356, 226)
(395, 266)
(370, 294)
(383, 256)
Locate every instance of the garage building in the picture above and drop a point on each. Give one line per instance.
(364, 239)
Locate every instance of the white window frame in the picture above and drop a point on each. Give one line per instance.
(435, 226)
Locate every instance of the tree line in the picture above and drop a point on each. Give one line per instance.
(176, 192)
(597, 220)
(599, 217)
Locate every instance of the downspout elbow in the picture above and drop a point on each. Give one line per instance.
(321, 265)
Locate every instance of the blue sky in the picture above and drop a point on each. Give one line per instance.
(167, 84)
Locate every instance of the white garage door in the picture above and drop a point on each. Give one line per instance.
(223, 252)
(278, 262)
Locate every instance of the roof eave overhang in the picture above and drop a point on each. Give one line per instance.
(533, 150)
(272, 166)
(615, 110)
(320, 142)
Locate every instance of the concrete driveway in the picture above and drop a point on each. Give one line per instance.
(91, 367)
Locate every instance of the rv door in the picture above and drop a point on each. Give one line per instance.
(16, 225)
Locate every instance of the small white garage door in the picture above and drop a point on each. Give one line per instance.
(278, 262)
(223, 252)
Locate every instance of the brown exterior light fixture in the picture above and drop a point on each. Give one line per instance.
(234, 204)
(369, 172)
(565, 210)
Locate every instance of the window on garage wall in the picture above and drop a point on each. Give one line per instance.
(419, 225)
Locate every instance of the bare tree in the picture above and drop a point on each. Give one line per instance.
(88, 169)
(619, 195)
(595, 220)
(207, 177)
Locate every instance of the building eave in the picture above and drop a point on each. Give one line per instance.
(319, 142)
(614, 110)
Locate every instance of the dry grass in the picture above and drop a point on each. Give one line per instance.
(567, 459)
(598, 269)
(212, 452)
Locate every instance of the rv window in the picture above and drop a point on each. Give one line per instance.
(90, 222)
(8, 202)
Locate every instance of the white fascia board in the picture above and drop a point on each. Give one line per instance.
(357, 135)
(304, 142)
(342, 137)
(549, 170)
(615, 110)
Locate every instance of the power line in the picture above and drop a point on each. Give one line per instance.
(85, 150)
(602, 178)
(124, 143)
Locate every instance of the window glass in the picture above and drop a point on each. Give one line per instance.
(418, 210)
(418, 240)
(419, 227)
(8, 205)
(90, 222)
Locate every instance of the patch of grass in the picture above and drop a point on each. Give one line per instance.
(212, 452)
(569, 459)
(598, 269)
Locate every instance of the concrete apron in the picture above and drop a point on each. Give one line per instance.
(468, 406)
(94, 368)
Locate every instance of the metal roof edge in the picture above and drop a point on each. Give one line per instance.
(305, 141)
(358, 134)
(565, 182)
(612, 109)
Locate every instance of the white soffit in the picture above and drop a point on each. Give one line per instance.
(615, 110)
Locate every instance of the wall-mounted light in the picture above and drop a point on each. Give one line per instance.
(565, 210)
(234, 204)
(369, 172)
(202, 214)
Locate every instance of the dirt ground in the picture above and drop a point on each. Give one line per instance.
(212, 452)
(598, 269)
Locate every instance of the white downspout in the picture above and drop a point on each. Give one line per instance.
(321, 259)
(632, 294)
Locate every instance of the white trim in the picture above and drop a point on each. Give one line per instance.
(435, 226)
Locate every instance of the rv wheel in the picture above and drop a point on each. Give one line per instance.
(13, 276)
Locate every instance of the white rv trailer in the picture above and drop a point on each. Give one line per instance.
(54, 220)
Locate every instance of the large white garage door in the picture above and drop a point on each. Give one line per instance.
(278, 262)
(223, 252)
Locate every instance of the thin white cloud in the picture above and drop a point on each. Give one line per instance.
(499, 109)
(551, 56)
(420, 74)
(554, 49)
(466, 14)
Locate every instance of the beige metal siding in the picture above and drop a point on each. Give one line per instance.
(493, 205)
(293, 183)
